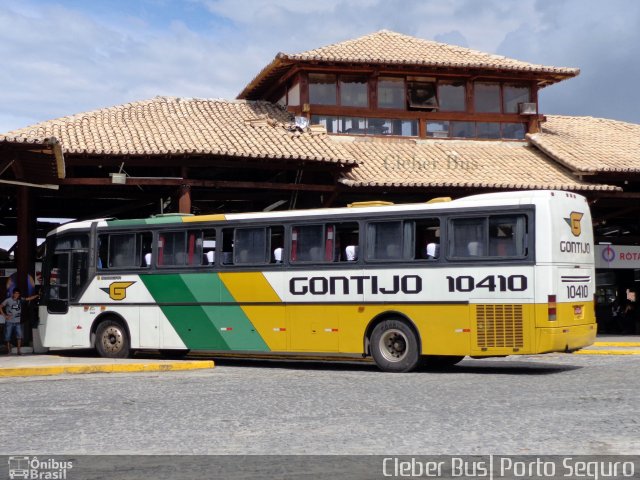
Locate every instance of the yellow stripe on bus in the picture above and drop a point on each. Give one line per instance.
(205, 218)
(269, 320)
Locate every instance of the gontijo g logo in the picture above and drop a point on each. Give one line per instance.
(567, 246)
(117, 290)
(574, 223)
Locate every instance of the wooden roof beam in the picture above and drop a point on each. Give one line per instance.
(161, 182)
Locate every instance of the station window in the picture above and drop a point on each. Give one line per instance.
(514, 95)
(293, 95)
(437, 128)
(514, 131)
(391, 93)
(322, 89)
(487, 130)
(463, 129)
(486, 97)
(354, 91)
(451, 96)
(367, 126)
(422, 93)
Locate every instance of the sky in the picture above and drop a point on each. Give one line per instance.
(61, 57)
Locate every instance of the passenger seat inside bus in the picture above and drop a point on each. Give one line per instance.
(315, 254)
(432, 251)
(475, 249)
(351, 253)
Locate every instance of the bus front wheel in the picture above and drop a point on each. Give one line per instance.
(394, 346)
(112, 340)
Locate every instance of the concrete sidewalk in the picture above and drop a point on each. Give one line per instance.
(71, 362)
(27, 365)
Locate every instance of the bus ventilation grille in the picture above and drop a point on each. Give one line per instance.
(499, 325)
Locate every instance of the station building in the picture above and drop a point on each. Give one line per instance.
(384, 116)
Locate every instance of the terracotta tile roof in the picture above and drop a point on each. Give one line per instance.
(463, 163)
(391, 48)
(590, 145)
(172, 126)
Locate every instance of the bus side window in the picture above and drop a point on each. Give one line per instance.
(208, 247)
(390, 240)
(122, 250)
(308, 243)
(250, 246)
(103, 252)
(227, 246)
(468, 237)
(144, 246)
(347, 243)
(276, 237)
(172, 249)
(427, 245)
(507, 235)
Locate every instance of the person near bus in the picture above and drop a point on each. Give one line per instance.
(11, 308)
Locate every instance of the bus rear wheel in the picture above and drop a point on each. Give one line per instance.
(112, 340)
(394, 346)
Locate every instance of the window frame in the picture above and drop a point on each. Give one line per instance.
(404, 247)
(528, 239)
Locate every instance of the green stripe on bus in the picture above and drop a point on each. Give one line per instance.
(214, 327)
(144, 221)
(237, 330)
(192, 323)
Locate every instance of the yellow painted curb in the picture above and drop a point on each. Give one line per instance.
(616, 344)
(106, 368)
(607, 352)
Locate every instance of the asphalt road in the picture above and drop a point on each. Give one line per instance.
(550, 404)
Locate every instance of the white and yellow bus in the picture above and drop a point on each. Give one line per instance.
(487, 275)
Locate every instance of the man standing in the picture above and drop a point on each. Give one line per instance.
(11, 308)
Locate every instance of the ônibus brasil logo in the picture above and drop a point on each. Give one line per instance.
(33, 468)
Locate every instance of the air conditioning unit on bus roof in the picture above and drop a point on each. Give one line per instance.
(527, 108)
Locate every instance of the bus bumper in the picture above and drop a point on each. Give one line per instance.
(565, 339)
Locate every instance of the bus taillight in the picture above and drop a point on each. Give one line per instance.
(552, 307)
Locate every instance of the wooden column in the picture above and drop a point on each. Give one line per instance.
(26, 232)
(25, 250)
(184, 199)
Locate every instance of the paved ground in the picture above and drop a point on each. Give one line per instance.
(557, 403)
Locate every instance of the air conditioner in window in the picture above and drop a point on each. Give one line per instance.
(527, 108)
